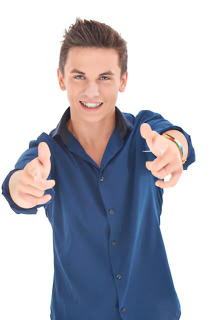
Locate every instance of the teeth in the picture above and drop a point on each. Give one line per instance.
(91, 105)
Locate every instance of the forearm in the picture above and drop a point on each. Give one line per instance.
(181, 138)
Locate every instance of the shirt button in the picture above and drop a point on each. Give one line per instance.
(118, 276)
(123, 310)
(111, 211)
(113, 243)
(102, 178)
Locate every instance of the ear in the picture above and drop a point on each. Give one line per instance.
(123, 82)
(61, 80)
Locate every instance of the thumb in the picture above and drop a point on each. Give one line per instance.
(44, 158)
(147, 134)
(155, 141)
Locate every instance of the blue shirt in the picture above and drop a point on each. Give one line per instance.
(110, 261)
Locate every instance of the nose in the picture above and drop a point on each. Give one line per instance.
(91, 90)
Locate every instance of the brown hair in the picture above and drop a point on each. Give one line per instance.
(91, 33)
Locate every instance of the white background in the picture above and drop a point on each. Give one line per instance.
(170, 70)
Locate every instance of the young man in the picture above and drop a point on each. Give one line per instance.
(109, 258)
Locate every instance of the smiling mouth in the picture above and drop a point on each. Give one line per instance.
(91, 108)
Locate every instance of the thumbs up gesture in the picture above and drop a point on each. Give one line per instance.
(168, 159)
(27, 186)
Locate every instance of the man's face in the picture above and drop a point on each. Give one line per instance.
(91, 86)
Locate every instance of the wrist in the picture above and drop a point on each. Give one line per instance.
(180, 147)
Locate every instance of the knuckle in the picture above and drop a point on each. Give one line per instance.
(22, 178)
(34, 201)
(30, 168)
(28, 198)
(50, 184)
(40, 193)
(162, 175)
(19, 193)
(166, 172)
(40, 185)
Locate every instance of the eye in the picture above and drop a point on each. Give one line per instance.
(105, 77)
(101, 77)
(77, 76)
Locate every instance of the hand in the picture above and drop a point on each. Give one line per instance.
(168, 159)
(28, 185)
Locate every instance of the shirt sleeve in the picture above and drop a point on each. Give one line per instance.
(30, 154)
(160, 125)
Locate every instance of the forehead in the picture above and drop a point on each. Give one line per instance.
(80, 58)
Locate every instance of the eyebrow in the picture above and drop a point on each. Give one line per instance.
(101, 74)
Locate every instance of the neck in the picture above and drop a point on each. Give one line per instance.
(92, 134)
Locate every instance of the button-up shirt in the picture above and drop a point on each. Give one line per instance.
(110, 261)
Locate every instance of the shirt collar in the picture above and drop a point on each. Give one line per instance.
(122, 123)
